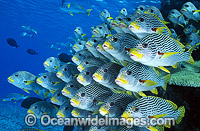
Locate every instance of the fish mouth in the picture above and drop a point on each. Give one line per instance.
(10, 79)
(59, 74)
(74, 102)
(80, 79)
(121, 80)
(80, 68)
(100, 48)
(115, 24)
(75, 113)
(97, 77)
(74, 59)
(88, 44)
(134, 54)
(103, 111)
(75, 47)
(126, 115)
(39, 81)
(122, 25)
(46, 63)
(107, 46)
(134, 26)
(65, 92)
(184, 10)
(30, 112)
(54, 100)
(95, 31)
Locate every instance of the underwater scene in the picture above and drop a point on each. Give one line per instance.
(100, 65)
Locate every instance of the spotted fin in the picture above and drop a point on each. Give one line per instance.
(172, 104)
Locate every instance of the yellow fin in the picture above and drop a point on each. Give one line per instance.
(164, 69)
(141, 93)
(26, 90)
(83, 34)
(159, 116)
(136, 95)
(181, 25)
(109, 18)
(156, 70)
(46, 94)
(123, 63)
(29, 82)
(68, 6)
(165, 22)
(56, 83)
(175, 66)
(36, 91)
(70, 13)
(93, 35)
(151, 128)
(88, 11)
(191, 60)
(154, 91)
(149, 83)
(52, 91)
(167, 78)
(172, 104)
(179, 43)
(181, 111)
(167, 54)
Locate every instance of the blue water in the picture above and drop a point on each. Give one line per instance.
(53, 26)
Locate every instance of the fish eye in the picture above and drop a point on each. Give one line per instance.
(87, 73)
(50, 61)
(80, 54)
(128, 72)
(141, 9)
(82, 94)
(95, 40)
(114, 39)
(86, 62)
(123, 9)
(172, 12)
(100, 27)
(58, 94)
(186, 5)
(119, 19)
(35, 107)
(53, 82)
(136, 109)
(151, 11)
(141, 19)
(128, 19)
(78, 28)
(145, 45)
(16, 75)
(25, 81)
(45, 76)
(172, 31)
(79, 43)
(66, 108)
(65, 69)
(104, 12)
(105, 70)
(71, 86)
(111, 103)
(190, 40)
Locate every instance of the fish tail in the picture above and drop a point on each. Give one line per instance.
(166, 80)
(88, 11)
(181, 112)
(191, 60)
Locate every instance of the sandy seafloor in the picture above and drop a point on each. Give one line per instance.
(12, 119)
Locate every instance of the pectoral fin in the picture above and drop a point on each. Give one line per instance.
(148, 82)
(164, 69)
(141, 93)
(154, 91)
(167, 54)
(68, 6)
(26, 90)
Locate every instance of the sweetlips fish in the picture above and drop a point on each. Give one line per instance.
(52, 64)
(177, 18)
(78, 32)
(79, 45)
(50, 81)
(115, 23)
(90, 97)
(72, 8)
(146, 24)
(43, 108)
(190, 29)
(159, 50)
(58, 98)
(71, 88)
(85, 77)
(101, 31)
(154, 11)
(125, 22)
(117, 44)
(190, 11)
(124, 12)
(90, 62)
(137, 77)
(13, 97)
(140, 10)
(65, 110)
(105, 16)
(67, 72)
(80, 56)
(116, 104)
(154, 107)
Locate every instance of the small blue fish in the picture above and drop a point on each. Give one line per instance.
(31, 52)
(74, 8)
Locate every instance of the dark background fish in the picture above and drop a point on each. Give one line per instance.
(12, 42)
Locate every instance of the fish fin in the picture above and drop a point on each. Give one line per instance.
(129, 93)
(70, 13)
(96, 112)
(123, 63)
(167, 54)
(172, 104)
(167, 78)
(181, 111)
(88, 11)
(68, 6)
(82, 7)
(158, 116)
(99, 103)
(156, 70)
(198, 32)
(36, 91)
(46, 93)
(56, 108)
(196, 11)
(109, 18)
(179, 43)
(141, 93)
(151, 128)
(175, 66)
(165, 22)
(83, 34)
(159, 29)
(191, 60)
(52, 91)
(148, 82)
(56, 83)
(26, 90)
(136, 95)
(3, 100)
(93, 35)
(164, 69)
(181, 25)
(154, 91)
(108, 35)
